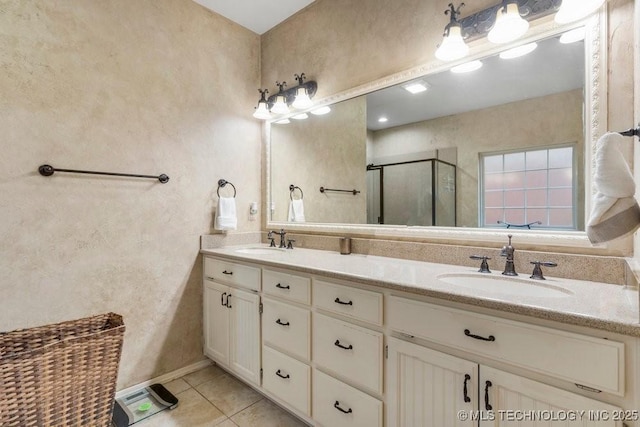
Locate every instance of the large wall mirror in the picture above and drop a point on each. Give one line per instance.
(507, 145)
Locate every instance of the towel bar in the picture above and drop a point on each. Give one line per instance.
(48, 170)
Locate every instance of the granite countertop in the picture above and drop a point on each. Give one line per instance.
(602, 306)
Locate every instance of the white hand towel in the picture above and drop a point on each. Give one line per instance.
(226, 218)
(296, 211)
(614, 210)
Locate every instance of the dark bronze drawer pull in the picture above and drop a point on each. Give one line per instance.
(337, 344)
(337, 406)
(227, 272)
(287, 376)
(228, 304)
(478, 337)
(283, 287)
(467, 399)
(279, 322)
(222, 299)
(337, 300)
(487, 406)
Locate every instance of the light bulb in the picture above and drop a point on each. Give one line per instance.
(509, 25)
(453, 46)
(280, 106)
(302, 100)
(574, 10)
(262, 112)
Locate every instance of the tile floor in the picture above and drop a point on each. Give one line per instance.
(212, 397)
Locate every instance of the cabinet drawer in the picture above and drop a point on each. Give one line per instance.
(593, 362)
(286, 327)
(287, 286)
(336, 404)
(348, 350)
(230, 272)
(287, 378)
(347, 301)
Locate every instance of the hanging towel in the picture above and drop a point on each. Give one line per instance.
(614, 211)
(226, 218)
(296, 211)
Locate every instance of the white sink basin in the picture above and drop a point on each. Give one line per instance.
(507, 285)
(260, 250)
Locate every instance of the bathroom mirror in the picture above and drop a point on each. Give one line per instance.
(504, 144)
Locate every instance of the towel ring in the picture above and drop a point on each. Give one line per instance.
(292, 189)
(222, 183)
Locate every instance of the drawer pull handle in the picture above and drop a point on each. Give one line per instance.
(228, 304)
(487, 406)
(279, 322)
(287, 376)
(227, 272)
(467, 399)
(222, 299)
(344, 411)
(337, 300)
(337, 344)
(283, 287)
(478, 337)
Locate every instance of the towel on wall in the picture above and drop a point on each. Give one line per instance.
(296, 211)
(614, 211)
(226, 218)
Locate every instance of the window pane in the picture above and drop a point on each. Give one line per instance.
(513, 180)
(561, 157)
(561, 217)
(493, 181)
(536, 198)
(492, 216)
(560, 177)
(514, 199)
(514, 162)
(561, 197)
(514, 216)
(537, 159)
(536, 179)
(494, 199)
(537, 215)
(493, 164)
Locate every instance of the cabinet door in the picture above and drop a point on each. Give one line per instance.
(427, 388)
(216, 322)
(505, 399)
(244, 330)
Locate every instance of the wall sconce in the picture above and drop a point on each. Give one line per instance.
(453, 45)
(509, 25)
(299, 97)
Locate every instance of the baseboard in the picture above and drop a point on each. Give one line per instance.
(170, 376)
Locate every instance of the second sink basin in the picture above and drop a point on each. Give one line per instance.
(507, 285)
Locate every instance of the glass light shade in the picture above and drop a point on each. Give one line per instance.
(301, 116)
(509, 26)
(280, 106)
(453, 46)
(574, 10)
(573, 36)
(262, 112)
(283, 122)
(519, 51)
(467, 67)
(302, 100)
(321, 111)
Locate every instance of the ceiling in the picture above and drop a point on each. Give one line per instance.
(258, 16)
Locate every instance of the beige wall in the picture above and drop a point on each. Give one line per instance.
(545, 121)
(145, 86)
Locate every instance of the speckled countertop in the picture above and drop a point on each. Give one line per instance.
(603, 306)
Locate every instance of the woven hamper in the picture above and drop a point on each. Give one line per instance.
(62, 374)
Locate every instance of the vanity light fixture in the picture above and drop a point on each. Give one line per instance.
(509, 25)
(299, 97)
(573, 36)
(321, 111)
(262, 110)
(302, 100)
(280, 105)
(519, 51)
(574, 10)
(467, 67)
(453, 46)
(416, 87)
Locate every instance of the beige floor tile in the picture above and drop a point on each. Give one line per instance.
(228, 394)
(266, 414)
(203, 375)
(193, 411)
(177, 386)
(227, 423)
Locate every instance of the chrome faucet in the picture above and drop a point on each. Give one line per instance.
(507, 251)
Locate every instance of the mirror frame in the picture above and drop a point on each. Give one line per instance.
(595, 122)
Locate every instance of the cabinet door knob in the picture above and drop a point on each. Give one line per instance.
(337, 344)
(467, 399)
(279, 322)
(487, 405)
(344, 411)
(478, 337)
(337, 300)
(278, 373)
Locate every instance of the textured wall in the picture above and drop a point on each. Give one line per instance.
(145, 86)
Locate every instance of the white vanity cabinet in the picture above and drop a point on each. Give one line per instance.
(231, 319)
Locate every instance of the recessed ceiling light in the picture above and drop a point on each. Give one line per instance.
(320, 111)
(573, 36)
(467, 67)
(283, 122)
(416, 87)
(519, 51)
(383, 119)
(300, 116)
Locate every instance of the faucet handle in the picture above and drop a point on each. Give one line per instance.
(537, 271)
(290, 243)
(484, 267)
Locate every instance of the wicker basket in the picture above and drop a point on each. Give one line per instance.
(62, 374)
